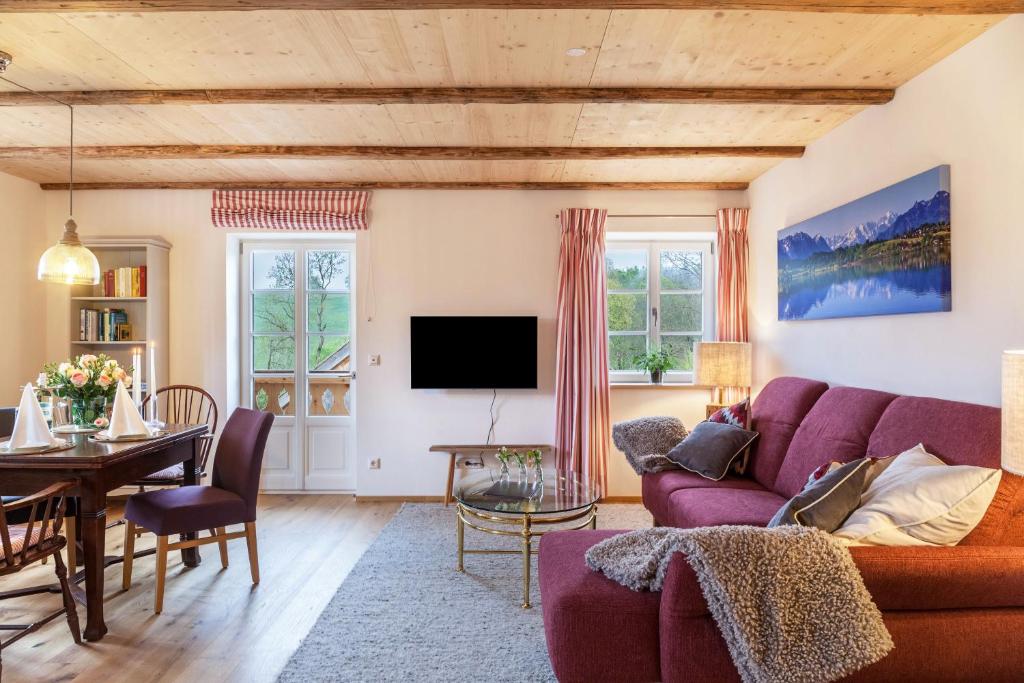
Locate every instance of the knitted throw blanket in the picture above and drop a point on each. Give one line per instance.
(789, 601)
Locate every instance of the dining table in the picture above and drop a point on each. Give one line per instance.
(99, 467)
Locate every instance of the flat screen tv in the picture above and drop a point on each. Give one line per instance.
(474, 352)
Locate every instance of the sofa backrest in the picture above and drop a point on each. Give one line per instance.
(775, 415)
(838, 427)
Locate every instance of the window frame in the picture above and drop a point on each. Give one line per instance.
(654, 333)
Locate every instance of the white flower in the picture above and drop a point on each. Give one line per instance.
(86, 358)
(65, 369)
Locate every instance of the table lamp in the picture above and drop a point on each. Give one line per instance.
(720, 365)
(1013, 412)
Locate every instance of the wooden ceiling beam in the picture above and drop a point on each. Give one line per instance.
(849, 6)
(397, 185)
(441, 95)
(153, 152)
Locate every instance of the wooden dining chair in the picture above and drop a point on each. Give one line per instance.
(182, 404)
(191, 509)
(25, 544)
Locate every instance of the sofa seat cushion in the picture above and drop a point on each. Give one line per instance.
(596, 629)
(184, 509)
(692, 508)
(657, 488)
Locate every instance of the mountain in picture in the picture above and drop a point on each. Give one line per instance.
(886, 253)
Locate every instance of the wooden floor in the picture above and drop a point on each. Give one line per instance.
(215, 626)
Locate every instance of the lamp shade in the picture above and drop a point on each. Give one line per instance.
(723, 364)
(69, 262)
(1013, 411)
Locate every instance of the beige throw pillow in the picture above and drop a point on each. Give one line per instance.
(920, 500)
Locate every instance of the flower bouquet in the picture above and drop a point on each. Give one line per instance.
(89, 383)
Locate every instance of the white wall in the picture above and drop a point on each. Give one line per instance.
(966, 111)
(471, 252)
(24, 236)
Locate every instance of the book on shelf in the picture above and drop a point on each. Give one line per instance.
(102, 325)
(125, 282)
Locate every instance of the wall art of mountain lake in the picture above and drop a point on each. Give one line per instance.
(882, 254)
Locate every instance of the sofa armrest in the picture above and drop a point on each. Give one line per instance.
(931, 578)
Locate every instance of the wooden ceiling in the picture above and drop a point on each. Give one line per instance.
(459, 78)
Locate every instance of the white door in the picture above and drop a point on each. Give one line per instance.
(298, 360)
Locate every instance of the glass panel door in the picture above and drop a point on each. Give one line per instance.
(298, 362)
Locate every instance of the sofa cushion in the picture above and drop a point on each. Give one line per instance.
(711, 448)
(827, 501)
(692, 508)
(596, 629)
(658, 487)
(775, 415)
(838, 427)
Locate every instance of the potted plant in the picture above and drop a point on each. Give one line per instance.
(656, 362)
(89, 382)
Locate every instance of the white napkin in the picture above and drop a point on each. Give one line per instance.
(125, 419)
(30, 430)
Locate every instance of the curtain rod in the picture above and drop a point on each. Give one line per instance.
(658, 215)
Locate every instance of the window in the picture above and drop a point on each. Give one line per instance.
(660, 296)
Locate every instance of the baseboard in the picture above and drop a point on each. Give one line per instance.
(622, 499)
(399, 499)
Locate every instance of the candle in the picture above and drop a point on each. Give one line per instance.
(151, 378)
(137, 377)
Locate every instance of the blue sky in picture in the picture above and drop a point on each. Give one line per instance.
(895, 198)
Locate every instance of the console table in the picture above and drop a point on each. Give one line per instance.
(456, 450)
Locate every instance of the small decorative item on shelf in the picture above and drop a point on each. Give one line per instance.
(535, 459)
(88, 382)
(655, 362)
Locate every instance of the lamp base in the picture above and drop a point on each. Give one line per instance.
(713, 408)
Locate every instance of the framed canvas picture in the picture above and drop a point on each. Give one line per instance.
(882, 254)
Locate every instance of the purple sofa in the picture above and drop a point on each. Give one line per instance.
(955, 613)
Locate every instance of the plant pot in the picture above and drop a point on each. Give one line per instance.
(655, 376)
(85, 410)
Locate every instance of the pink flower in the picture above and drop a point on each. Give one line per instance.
(79, 378)
(104, 381)
(101, 422)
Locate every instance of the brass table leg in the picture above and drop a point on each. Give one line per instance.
(593, 519)
(526, 561)
(460, 532)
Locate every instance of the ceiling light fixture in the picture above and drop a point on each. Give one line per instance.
(576, 51)
(68, 262)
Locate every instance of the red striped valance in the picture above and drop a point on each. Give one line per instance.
(290, 209)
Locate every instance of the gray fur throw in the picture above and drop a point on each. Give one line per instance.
(790, 602)
(646, 441)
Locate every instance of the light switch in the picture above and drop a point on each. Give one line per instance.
(374, 359)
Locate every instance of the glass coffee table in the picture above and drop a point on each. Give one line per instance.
(492, 505)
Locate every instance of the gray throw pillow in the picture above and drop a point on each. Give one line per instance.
(827, 502)
(711, 448)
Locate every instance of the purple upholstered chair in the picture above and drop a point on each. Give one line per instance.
(231, 500)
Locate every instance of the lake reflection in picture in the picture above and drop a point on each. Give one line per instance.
(883, 254)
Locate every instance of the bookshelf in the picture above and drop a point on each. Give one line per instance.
(148, 315)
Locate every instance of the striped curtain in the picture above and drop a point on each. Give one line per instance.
(732, 283)
(583, 424)
(321, 210)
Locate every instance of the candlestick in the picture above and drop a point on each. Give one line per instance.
(152, 381)
(137, 377)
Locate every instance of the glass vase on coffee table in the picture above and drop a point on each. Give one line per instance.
(494, 505)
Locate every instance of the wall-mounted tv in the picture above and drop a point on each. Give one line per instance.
(474, 352)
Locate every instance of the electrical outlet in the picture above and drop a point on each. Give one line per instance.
(375, 464)
(374, 359)
(473, 464)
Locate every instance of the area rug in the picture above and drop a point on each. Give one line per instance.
(404, 613)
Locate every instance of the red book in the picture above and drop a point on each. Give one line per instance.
(108, 283)
(142, 280)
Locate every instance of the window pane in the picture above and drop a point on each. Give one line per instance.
(274, 395)
(327, 312)
(273, 353)
(622, 349)
(273, 312)
(681, 269)
(627, 312)
(682, 348)
(681, 312)
(328, 352)
(627, 269)
(328, 269)
(330, 396)
(273, 270)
